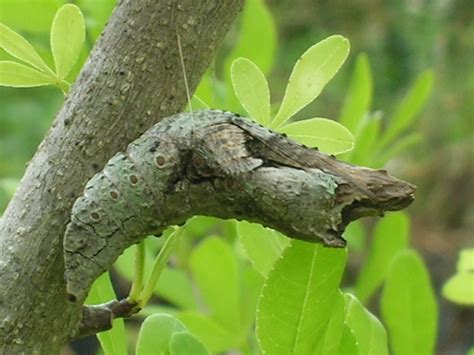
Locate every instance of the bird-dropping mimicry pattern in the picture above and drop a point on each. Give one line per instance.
(219, 164)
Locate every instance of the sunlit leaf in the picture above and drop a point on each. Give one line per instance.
(15, 45)
(113, 341)
(184, 343)
(310, 74)
(212, 334)
(257, 37)
(251, 88)
(466, 260)
(409, 307)
(19, 75)
(391, 235)
(155, 334)
(215, 270)
(298, 298)
(359, 96)
(263, 246)
(369, 333)
(460, 287)
(327, 135)
(410, 107)
(67, 38)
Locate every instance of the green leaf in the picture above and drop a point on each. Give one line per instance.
(251, 88)
(330, 342)
(366, 140)
(205, 89)
(251, 288)
(215, 269)
(151, 309)
(359, 96)
(197, 104)
(113, 341)
(399, 146)
(175, 286)
(310, 74)
(257, 37)
(67, 38)
(298, 298)
(391, 235)
(327, 135)
(367, 329)
(409, 306)
(263, 246)
(155, 334)
(459, 288)
(20, 48)
(410, 107)
(184, 343)
(212, 334)
(355, 236)
(466, 260)
(19, 75)
(349, 344)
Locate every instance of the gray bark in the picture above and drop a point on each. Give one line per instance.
(132, 79)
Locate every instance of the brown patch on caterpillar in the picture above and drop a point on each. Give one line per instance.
(133, 179)
(160, 161)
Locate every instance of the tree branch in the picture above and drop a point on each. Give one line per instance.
(131, 80)
(99, 318)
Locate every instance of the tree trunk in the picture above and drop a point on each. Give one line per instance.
(132, 80)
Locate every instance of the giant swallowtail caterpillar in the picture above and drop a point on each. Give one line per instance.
(217, 163)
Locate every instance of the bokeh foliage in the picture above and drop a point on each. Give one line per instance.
(210, 289)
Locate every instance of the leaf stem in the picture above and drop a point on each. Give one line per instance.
(137, 284)
(158, 266)
(64, 86)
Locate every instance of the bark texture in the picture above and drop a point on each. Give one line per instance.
(216, 163)
(132, 80)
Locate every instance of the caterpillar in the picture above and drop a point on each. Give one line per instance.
(220, 164)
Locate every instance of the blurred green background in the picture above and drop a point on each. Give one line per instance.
(401, 39)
